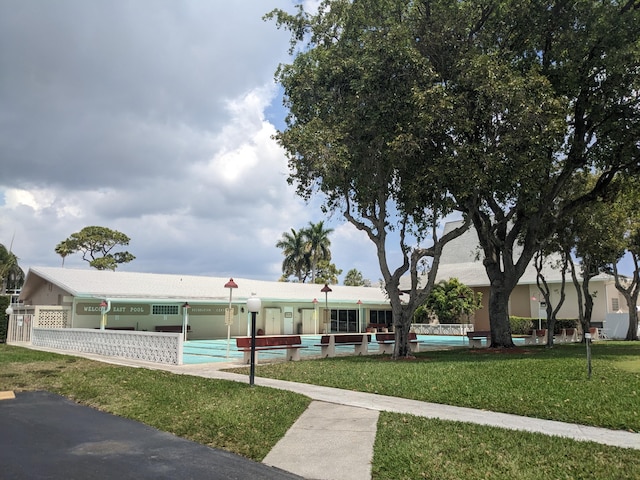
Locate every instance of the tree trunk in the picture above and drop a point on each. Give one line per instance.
(632, 301)
(576, 284)
(401, 327)
(630, 294)
(632, 332)
(588, 304)
(499, 317)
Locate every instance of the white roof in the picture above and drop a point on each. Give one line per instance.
(462, 259)
(91, 283)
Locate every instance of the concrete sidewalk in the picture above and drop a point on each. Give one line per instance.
(333, 439)
(327, 442)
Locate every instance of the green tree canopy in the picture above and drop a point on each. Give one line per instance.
(11, 275)
(318, 247)
(412, 109)
(96, 245)
(452, 301)
(307, 252)
(359, 94)
(295, 261)
(327, 273)
(354, 278)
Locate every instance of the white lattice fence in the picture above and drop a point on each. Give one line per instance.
(146, 346)
(441, 329)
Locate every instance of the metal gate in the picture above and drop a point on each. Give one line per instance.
(23, 319)
(19, 328)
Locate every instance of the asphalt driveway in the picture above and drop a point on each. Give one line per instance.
(46, 436)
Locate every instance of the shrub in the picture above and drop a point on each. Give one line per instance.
(5, 300)
(524, 325)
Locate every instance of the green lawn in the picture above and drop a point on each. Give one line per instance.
(249, 421)
(409, 448)
(536, 381)
(227, 415)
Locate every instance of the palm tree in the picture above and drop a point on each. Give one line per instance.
(63, 249)
(317, 245)
(295, 262)
(11, 275)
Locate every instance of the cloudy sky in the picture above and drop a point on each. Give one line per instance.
(154, 118)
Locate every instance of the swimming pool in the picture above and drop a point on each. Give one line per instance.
(208, 351)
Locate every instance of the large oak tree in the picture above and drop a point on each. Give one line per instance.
(489, 107)
(541, 92)
(352, 96)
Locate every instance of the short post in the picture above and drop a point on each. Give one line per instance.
(185, 320)
(253, 305)
(587, 340)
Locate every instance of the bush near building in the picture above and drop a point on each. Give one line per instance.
(5, 301)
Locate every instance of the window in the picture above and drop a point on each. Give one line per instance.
(381, 317)
(615, 304)
(164, 309)
(344, 321)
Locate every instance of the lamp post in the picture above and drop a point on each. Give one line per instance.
(326, 289)
(9, 312)
(228, 317)
(253, 305)
(185, 320)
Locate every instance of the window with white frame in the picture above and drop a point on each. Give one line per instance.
(615, 304)
(164, 309)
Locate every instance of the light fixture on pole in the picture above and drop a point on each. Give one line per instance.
(326, 289)
(103, 313)
(185, 320)
(228, 315)
(315, 315)
(253, 305)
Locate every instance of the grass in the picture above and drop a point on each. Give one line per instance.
(227, 415)
(249, 421)
(536, 382)
(410, 448)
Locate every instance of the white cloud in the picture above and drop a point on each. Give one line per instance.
(148, 117)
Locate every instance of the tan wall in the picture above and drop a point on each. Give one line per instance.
(48, 294)
(602, 300)
(481, 317)
(519, 302)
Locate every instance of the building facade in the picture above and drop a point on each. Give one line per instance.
(158, 302)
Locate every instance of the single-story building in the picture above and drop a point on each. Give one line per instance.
(158, 302)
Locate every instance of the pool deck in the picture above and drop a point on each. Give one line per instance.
(208, 351)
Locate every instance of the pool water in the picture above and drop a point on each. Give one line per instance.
(208, 351)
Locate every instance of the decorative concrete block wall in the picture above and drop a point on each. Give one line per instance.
(145, 346)
(441, 329)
